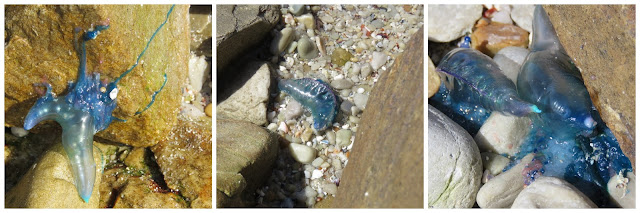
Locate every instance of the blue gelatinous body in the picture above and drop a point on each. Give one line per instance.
(316, 96)
(84, 111)
(478, 79)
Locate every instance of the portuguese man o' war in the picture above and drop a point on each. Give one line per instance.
(84, 111)
(314, 95)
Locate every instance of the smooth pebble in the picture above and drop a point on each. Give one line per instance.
(360, 100)
(378, 59)
(302, 153)
(341, 84)
(307, 48)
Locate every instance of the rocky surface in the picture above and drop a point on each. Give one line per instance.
(502, 190)
(240, 27)
(551, 192)
(449, 22)
(50, 183)
(391, 132)
(184, 158)
(40, 46)
(245, 154)
(249, 102)
(601, 40)
(455, 166)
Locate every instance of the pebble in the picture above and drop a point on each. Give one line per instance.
(343, 137)
(272, 127)
(502, 190)
(306, 134)
(330, 188)
(308, 21)
(503, 134)
(522, 14)
(302, 153)
(354, 119)
(378, 59)
(327, 19)
(360, 90)
(317, 162)
(296, 9)
(345, 106)
(355, 110)
(492, 38)
(19, 131)
(503, 15)
(377, 24)
(552, 192)
(292, 47)
(316, 174)
(341, 84)
(449, 22)
(365, 70)
(510, 59)
(623, 190)
(282, 40)
(307, 49)
(493, 162)
(293, 110)
(434, 79)
(208, 110)
(340, 56)
(455, 167)
(360, 100)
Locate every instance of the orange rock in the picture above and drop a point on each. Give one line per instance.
(492, 38)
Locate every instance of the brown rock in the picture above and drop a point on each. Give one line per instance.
(184, 158)
(385, 169)
(601, 41)
(492, 38)
(40, 46)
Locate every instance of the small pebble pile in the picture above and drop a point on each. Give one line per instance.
(348, 47)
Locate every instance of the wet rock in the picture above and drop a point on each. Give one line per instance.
(502, 190)
(245, 155)
(455, 166)
(434, 79)
(50, 183)
(249, 103)
(493, 162)
(40, 45)
(395, 178)
(598, 38)
(623, 190)
(136, 159)
(307, 48)
(492, 38)
(449, 22)
(502, 133)
(522, 14)
(551, 192)
(184, 158)
(142, 194)
(510, 59)
(240, 27)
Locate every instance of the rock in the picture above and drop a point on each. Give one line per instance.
(296, 9)
(245, 155)
(40, 45)
(522, 14)
(293, 110)
(502, 133)
(434, 79)
(503, 16)
(307, 48)
(345, 106)
(360, 100)
(623, 190)
(492, 38)
(376, 24)
(340, 56)
(449, 22)
(395, 178)
(207, 110)
(307, 20)
(241, 27)
(330, 188)
(331, 136)
(343, 137)
(365, 70)
(135, 159)
(585, 32)
(317, 162)
(455, 165)
(378, 59)
(502, 190)
(141, 194)
(551, 192)
(197, 67)
(495, 163)
(341, 84)
(282, 40)
(249, 103)
(200, 22)
(50, 183)
(302, 153)
(510, 59)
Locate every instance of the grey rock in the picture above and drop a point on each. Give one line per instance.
(522, 14)
(282, 40)
(249, 103)
(365, 70)
(343, 137)
(377, 24)
(510, 59)
(360, 100)
(449, 22)
(345, 106)
(307, 48)
(455, 167)
(331, 136)
(342, 84)
(378, 59)
(552, 192)
(502, 190)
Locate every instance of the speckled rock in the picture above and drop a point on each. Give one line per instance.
(502, 190)
(492, 38)
(598, 38)
(623, 190)
(50, 183)
(245, 154)
(502, 133)
(240, 27)
(248, 103)
(455, 166)
(40, 46)
(449, 22)
(184, 158)
(395, 178)
(551, 192)
(434, 79)
(141, 193)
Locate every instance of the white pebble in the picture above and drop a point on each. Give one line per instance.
(19, 131)
(360, 90)
(316, 174)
